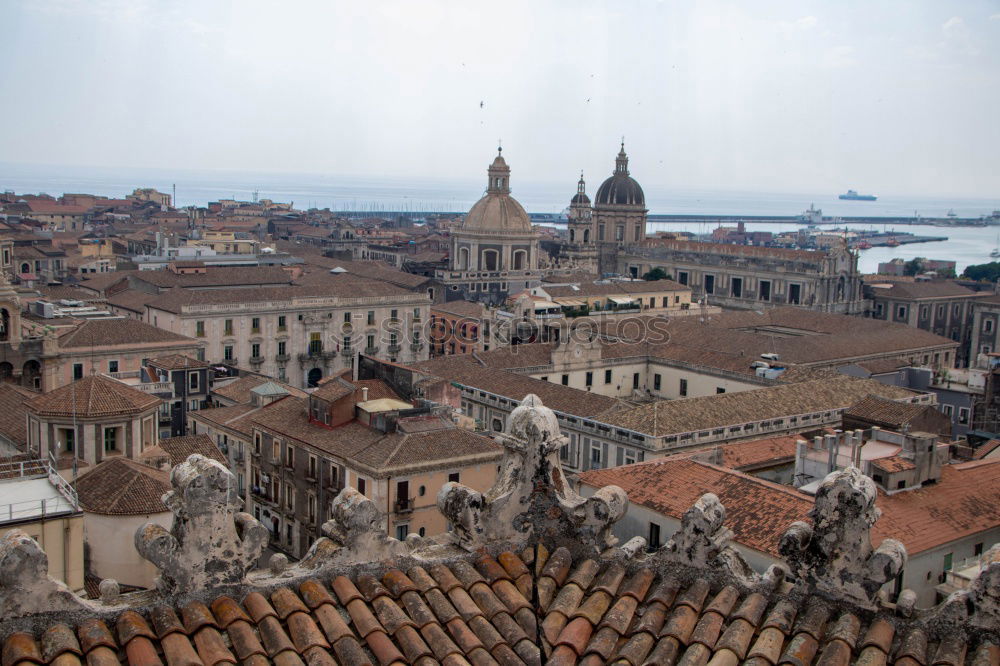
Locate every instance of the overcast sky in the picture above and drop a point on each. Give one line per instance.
(892, 96)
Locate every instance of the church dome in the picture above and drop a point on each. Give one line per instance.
(620, 189)
(497, 212)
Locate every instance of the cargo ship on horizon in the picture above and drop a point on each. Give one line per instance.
(852, 195)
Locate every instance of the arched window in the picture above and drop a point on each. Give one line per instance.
(491, 260)
(572, 236)
(4, 324)
(520, 260)
(586, 235)
(463, 258)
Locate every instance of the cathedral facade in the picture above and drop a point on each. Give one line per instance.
(616, 218)
(495, 251)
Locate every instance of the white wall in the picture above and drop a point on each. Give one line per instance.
(109, 541)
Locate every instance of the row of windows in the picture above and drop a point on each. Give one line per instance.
(764, 287)
(282, 322)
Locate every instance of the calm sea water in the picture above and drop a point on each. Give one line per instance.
(965, 245)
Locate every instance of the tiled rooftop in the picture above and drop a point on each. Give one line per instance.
(92, 396)
(122, 487)
(97, 333)
(757, 510)
(716, 411)
(379, 452)
(177, 449)
(529, 574)
(502, 611)
(884, 412)
(177, 362)
(12, 414)
(512, 385)
(239, 390)
(922, 289)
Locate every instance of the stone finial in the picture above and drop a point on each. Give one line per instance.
(531, 496)
(278, 563)
(834, 555)
(211, 543)
(25, 585)
(702, 535)
(110, 590)
(984, 592)
(702, 541)
(354, 534)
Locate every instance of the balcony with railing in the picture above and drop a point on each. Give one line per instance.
(25, 495)
(404, 505)
(155, 387)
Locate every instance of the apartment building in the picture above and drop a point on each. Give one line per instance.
(300, 335)
(605, 431)
(306, 450)
(943, 307)
(752, 277)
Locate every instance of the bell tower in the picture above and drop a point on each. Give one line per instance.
(581, 251)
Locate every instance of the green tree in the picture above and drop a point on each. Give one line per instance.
(655, 274)
(914, 266)
(983, 272)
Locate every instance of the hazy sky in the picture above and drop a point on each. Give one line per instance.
(891, 96)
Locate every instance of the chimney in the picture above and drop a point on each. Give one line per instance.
(364, 394)
(860, 441)
(800, 460)
(832, 442)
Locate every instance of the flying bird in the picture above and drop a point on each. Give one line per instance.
(480, 104)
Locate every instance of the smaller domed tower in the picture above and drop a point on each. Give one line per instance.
(580, 221)
(581, 250)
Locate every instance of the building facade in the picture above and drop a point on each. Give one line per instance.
(305, 451)
(300, 335)
(495, 251)
(942, 307)
(749, 277)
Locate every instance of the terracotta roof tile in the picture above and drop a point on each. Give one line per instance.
(12, 413)
(92, 396)
(703, 413)
(123, 487)
(177, 449)
(177, 362)
(311, 628)
(239, 390)
(98, 333)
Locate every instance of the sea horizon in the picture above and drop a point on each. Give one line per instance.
(422, 194)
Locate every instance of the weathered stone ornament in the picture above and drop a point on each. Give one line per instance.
(703, 541)
(212, 544)
(354, 534)
(25, 585)
(834, 555)
(984, 592)
(531, 498)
